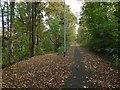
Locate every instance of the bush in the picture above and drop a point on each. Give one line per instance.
(40, 50)
(5, 59)
(21, 51)
(60, 49)
(47, 45)
(117, 61)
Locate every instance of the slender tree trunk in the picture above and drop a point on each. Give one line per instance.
(29, 30)
(29, 35)
(33, 30)
(37, 37)
(118, 38)
(11, 32)
(3, 31)
(8, 27)
(39, 18)
(37, 33)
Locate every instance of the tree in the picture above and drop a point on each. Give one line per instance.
(28, 34)
(56, 10)
(99, 24)
(11, 57)
(98, 21)
(3, 29)
(33, 29)
(55, 32)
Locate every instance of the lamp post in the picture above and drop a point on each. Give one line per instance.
(64, 28)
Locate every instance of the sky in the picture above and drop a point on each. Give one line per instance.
(76, 8)
(74, 5)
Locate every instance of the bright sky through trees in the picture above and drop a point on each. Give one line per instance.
(74, 5)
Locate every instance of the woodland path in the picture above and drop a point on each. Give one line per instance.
(79, 69)
(91, 71)
(79, 76)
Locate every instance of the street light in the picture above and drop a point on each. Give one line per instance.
(64, 28)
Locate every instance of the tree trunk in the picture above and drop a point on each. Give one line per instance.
(33, 30)
(8, 28)
(3, 31)
(39, 18)
(29, 30)
(119, 30)
(37, 38)
(35, 23)
(11, 58)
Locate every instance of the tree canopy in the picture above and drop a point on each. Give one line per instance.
(99, 27)
(35, 28)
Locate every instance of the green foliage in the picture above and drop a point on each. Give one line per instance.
(46, 39)
(40, 50)
(55, 33)
(21, 48)
(56, 29)
(99, 28)
(5, 61)
(117, 61)
(47, 45)
(60, 49)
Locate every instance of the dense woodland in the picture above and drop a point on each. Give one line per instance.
(99, 29)
(33, 45)
(34, 28)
